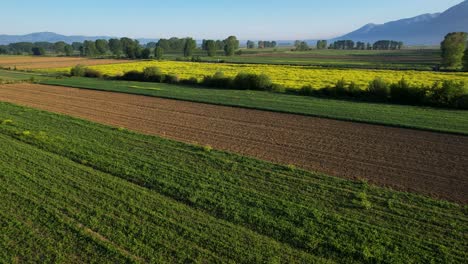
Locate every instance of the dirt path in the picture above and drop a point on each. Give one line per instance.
(418, 161)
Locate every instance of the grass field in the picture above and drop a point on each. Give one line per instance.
(110, 195)
(404, 59)
(414, 59)
(455, 121)
(8, 76)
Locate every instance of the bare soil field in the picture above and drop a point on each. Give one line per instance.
(429, 163)
(31, 63)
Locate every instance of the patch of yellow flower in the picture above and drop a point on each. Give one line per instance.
(288, 76)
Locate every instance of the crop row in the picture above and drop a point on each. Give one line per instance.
(294, 214)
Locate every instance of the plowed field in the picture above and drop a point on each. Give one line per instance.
(428, 163)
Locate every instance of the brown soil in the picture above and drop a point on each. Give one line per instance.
(424, 162)
(31, 63)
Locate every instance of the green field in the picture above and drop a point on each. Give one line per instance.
(107, 195)
(415, 59)
(454, 121)
(8, 76)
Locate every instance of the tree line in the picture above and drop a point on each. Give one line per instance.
(124, 47)
(261, 44)
(378, 45)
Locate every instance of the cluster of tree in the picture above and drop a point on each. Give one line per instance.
(267, 44)
(37, 48)
(440, 94)
(322, 44)
(455, 51)
(378, 45)
(229, 46)
(301, 45)
(387, 45)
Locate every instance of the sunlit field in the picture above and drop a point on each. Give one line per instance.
(288, 76)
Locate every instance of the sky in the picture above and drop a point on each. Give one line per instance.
(246, 19)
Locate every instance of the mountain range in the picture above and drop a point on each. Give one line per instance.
(426, 29)
(54, 37)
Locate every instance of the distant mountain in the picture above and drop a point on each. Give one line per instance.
(427, 29)
(53, 37)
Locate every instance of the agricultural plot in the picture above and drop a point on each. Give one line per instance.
(428, 163)
(288, 76)
(8, 76)
(401, 59)
(31, 63)
(109, 195)
(425, 118)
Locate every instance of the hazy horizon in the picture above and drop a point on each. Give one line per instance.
(209, 19)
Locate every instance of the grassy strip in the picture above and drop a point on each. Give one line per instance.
(6, 75)
(425, 118)
(203, 204)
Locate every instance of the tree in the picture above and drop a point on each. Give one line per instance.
(250, 44)
(452, 48)
(77, 45)
(158, 53)
(131, 48)
(301, 45)
(322, 44)
(59, 47)
(465, 60)
(102, 46)
(3, 49)
(231, 44)
(146, 53)
(210, 47)
(68, 49)
(261, 44)
(89, 48)
(38, 51)
(115, 47)
(190, 45)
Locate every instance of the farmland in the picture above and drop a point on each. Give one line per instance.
(410, 59)
(364, 151)
(192, 204)
(288, 76)
(32, 63)
(426, 118)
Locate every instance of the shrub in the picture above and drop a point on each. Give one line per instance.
(378, 88)
(133, 76)
(190, 81)
(217, 80)
(354, 90)
(403, 92)
(91, 73)
(340, 88)
(447, 93)
(250, 81)
(78, 71)
(153, 74)
(307, 90)
(277, 88)
(172, 78)
(461, 102)
(196, 59)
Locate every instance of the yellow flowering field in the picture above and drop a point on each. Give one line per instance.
(288, 76)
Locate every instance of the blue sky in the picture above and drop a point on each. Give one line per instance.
(247, 19)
